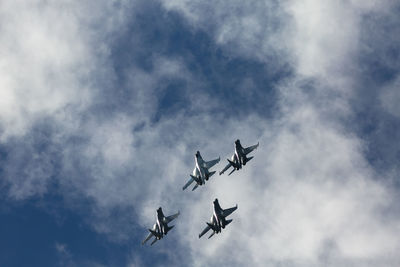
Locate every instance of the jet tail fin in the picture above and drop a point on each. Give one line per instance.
(231, 172)
(232, 163)
(153, 232)
(211, 174)
(213, 233)
(197, 179)
(194, 188)
(211, 226)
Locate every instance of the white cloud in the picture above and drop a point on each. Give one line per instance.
(252, 29)
(323, 36)
(52, 55)
(318, 39)
(309, 197)
(48, 58)
(316, 201)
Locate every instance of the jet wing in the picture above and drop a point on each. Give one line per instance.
(204, 231)
(232, 171)
(154, 241)
(195, 187)
(147, 238)
(188, 183)
(227, 212)
(226, 168)
(211, 163)
(150, 235)
(247, 150)
(170, 218)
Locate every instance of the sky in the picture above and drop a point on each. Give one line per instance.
(103, 105)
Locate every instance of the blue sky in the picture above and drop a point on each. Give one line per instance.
(104, 103)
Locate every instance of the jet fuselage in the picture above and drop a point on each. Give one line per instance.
(200, 167)
(160, 220)
(196, 176)
(240, 155)
(235, 162)
(219, 219)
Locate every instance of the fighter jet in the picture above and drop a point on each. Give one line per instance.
(160, 228)
(239, 158)
(218, 219)
(201, 171)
